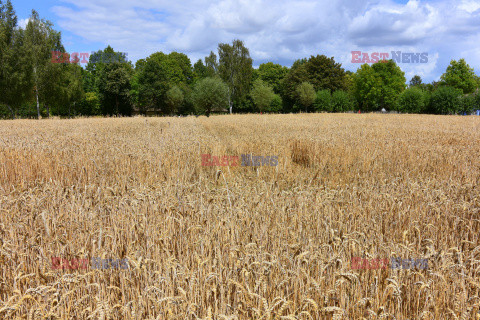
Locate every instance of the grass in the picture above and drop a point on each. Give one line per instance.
(241, 242)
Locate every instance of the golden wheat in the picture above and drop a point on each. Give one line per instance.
(241, 242)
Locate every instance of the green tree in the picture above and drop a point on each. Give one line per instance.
(342, 101)
(459, 75)
(416, 81)
(320, 71)
(276, 104)
(272, 74)
(393, 83)
(262, 95)
(159, 73)
(445, 100)
(379, 85)
(41, 40)
(89, 105)
(114, 84)
(199, 69)
(306, 95)
(325, 73)
(210, 94)
(467, 103)
(175, 99)
(211, 65)
(367, 88)
(15, 67)
(412, 100)
(235, 68)
(323, 101)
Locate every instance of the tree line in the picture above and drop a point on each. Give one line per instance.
(34, 85)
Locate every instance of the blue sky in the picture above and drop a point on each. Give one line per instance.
(279, 31)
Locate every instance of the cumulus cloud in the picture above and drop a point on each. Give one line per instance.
(282, 31)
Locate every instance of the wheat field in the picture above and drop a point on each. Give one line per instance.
(270, 242)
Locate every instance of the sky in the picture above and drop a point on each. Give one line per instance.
(278, 31)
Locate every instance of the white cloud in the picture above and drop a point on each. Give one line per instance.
(282, 30)
(22, 23)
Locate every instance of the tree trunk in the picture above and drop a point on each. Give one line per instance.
(116, 102)
(11, 110)
(36, 92)
(48, 111)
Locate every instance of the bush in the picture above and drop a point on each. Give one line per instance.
(323, 101)
(342, 101)
(276, 104)
(209, 95)
(305, 95)
(445, 100)
(412, 100)
(467, 104)
(89, 105)
(262, 95)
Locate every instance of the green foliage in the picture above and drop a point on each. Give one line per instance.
(343, 101)
(210, 94)
(415, 81)
(272, 74)
(15, 64)
(114, 87)
(262, 95)
(306, 95)
(378, 86)
(175, 99)
(412, 100)
(159, 73)
(41, 39)
(445, 100)
(468, 103)
(235, 68)
(199, 70)
(211, 65)
(89, 105)
(277, 104)
(459, 75)
(323, 101)
(320, 71)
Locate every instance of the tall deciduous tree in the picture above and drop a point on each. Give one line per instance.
(159, 73)
(272, 74)
(460, 76)
(41, 39)
(235, 68)
(320, 71)
(416, 81)
(379, 85)
(15, 70)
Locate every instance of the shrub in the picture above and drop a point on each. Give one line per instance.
(412, 100)
(445, 100)
(342, 101)
(276, 104)
(323, 101)
(467, 103)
